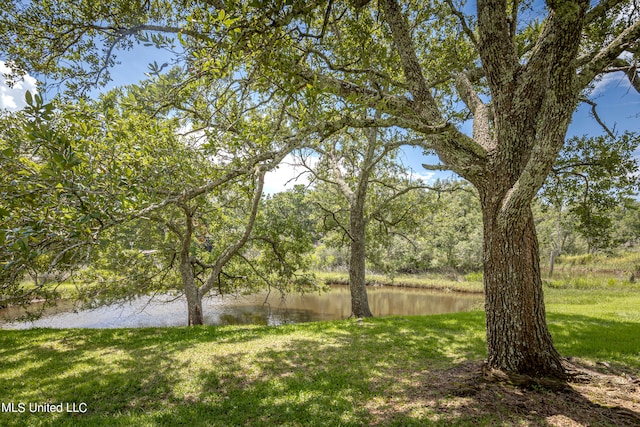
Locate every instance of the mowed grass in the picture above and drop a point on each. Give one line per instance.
(370, 372)
(331, 373)
(316, 374)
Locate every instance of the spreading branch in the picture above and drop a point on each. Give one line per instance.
(335, 218)
(416, 81)
(339, 179)
(595, 63)
(480, 111)
(496, 48)
(463, 23)
(600, 10)
(231, 250)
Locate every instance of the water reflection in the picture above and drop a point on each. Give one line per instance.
(258, 309)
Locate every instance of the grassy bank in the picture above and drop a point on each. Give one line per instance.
(387, 371)
(452, 281)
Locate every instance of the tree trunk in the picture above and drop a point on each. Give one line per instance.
(194, 298)
(552, 261)
(194, 307)
(518, 339)
(357, 263)
(558, 246)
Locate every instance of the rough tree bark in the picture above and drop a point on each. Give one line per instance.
(194, 300)
(518, 339)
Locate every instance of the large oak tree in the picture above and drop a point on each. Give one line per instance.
(519, 69)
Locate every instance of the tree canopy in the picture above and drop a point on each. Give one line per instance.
(516, 69)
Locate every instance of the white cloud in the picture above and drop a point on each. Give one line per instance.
(289, 173)
(609, 81)
(425, 177)
(612, 80)
(12, 98)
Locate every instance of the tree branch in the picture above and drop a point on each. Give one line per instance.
(600, 10)
(436, 167)
(463, 23)
(372, 73)
(632, 74)
(392, 104)
(496, 48)
(595, 63)
(333, 215)
(480, 111)
(233, 249)
(339, 179)
(386, 203)
(513, 19)
(596, 116)
(418, 87)
(463, 152)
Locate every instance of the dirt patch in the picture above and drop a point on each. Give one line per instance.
(599, 396)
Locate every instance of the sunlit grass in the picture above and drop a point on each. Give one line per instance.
(308, 374)
(627, 260)
(452, 281)
(314, 374)
(325, 373)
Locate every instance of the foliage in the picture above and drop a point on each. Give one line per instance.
(592, 177)
(518, 69)
(71, 171)
(36, 163)
(284, 237)
(133, 188)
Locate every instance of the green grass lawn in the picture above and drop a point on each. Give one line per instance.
(377, 371)
(308, 374)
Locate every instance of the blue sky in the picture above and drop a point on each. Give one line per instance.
(618, 106)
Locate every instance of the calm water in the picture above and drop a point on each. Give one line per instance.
(257, 309)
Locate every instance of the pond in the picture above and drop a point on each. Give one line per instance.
(166, 310)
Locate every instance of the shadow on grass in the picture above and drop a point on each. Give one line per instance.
(388, 371)
(113, 371)
(600, 340)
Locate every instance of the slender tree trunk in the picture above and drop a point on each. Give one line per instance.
(194, 298)
(357, 225)
(558, 244)
(552, 262)
(518, 339)
(357, 263)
